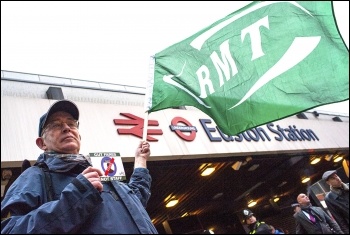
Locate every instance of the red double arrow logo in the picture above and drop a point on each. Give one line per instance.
(137, 129)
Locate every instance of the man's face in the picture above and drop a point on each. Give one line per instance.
(334, 180)
(303, 199)
(251, 220)
(61, 134)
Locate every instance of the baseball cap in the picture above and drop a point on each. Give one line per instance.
(61, 105)
(326, 175)
(295, 205)
(247, 213)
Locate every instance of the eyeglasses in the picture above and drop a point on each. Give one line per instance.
(58, 125)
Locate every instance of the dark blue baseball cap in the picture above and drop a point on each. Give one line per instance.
(61, 105)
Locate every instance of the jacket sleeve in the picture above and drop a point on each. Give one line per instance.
(334, 225)
(298, 226)
(337, 213)
(25, 210)
(140, 183)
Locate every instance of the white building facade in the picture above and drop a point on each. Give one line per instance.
(112, 118)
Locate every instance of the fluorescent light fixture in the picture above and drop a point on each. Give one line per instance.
(281, 184)
(216, 196)
(208, 171)
(315, 160)
(237, 165)
(172, 203)
(306, 179)
(185, 214)
(253, 167)
(338, 158)
(251, 203)
(328, 157)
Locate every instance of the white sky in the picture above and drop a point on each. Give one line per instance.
(110, 41)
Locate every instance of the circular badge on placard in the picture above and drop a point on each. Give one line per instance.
(108, 166)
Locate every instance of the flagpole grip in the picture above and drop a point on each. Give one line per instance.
(145, 125)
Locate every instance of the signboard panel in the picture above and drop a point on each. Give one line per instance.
(110, 163)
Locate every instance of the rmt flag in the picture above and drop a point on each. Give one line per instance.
(264, 62)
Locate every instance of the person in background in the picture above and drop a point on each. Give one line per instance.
(313, 220)
(81, 202)
(296, 207)
(276, 230)
(25, 165)
(255, 226)
(337, 199)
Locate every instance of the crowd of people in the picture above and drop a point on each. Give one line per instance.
(311, 219)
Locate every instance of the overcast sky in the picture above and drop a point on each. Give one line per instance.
(110, 41)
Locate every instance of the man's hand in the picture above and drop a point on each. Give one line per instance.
(142, 154)
(143, 150)
(93, 174)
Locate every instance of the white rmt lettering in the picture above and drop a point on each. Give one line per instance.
(255, 36)
(226, 62)
(222, 65)
(203, 75)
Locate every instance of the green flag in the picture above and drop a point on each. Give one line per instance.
(264, 62)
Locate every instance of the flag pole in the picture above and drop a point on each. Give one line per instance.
(148, 95)
(145, 125)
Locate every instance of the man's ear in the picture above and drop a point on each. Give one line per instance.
(40, 143)
(79, 136)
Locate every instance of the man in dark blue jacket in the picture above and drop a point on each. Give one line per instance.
(337, 199)
(73, 199)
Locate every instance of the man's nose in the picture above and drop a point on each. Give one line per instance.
(65, 126)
